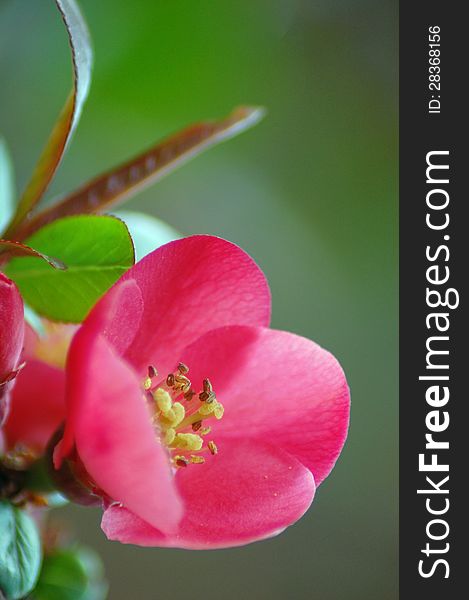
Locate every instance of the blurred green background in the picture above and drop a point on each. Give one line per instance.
(311, 193)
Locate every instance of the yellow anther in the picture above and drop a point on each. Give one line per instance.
(169, 436)
(219, 410)
(171, 421)
(214, 408)
(187, 441)
(212, 447)
(207, 385)
(211, 398)
(181, 461)
(189, 394)
(207, 409)
(182, 383)
(163, 400)
(179, 413)
(174, 416)
(167, 419)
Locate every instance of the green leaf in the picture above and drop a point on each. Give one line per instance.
(97, 251)
(62, 577)
(82, 59)
(7, 186)
(71, 574)
(97, 587)
(20, 552)
(148, 233)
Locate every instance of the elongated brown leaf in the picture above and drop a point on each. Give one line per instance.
(68, 118)
(117, 185)
(11, 249)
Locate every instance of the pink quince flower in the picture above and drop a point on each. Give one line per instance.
(11, 340)
(227, 457)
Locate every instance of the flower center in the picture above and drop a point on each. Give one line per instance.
(179, 414)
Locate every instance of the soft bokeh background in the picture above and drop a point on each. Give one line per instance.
(310, 193)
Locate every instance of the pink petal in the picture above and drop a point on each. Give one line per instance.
(110, 423)
(276, 387)
(118, 315)
(37, 406)
(11, 338)
(188, 287)
(247, 492)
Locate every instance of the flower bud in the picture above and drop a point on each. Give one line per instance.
(11, 339)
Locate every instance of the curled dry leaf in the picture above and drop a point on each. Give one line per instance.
(60, 136)
(118, 184)
(11, 249)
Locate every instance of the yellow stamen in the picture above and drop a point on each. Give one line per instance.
(163, 400)
(174, 416)
(187, 441)
(179, 413)
(167, 419)
(207, 385)
(172, 419)
(207, 409)
(169, 436)
(181, 461)
(189, 395)
(218, 411)
(212, 447)
(182, 383)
